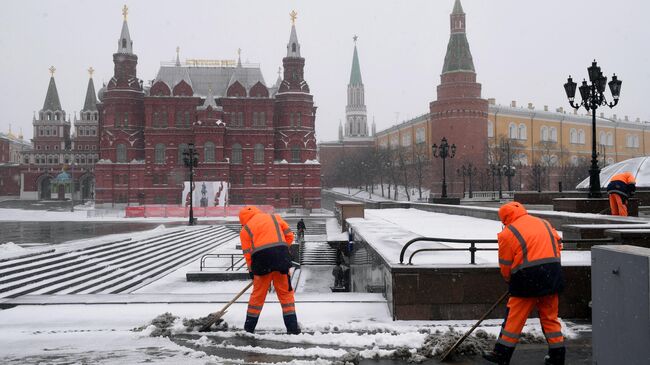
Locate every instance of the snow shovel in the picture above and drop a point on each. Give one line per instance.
(216, 316)
(444, 357)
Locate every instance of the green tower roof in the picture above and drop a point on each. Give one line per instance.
(458, 8)
(52, 97)
(459, 57)
(91, 101)
(355, 74)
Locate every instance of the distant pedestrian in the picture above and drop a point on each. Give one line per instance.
(529, 259)
(301, 230)
(620, 188)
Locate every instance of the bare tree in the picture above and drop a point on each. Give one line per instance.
(421, 166)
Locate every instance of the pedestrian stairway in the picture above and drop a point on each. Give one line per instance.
(317, 253)
(108, 268)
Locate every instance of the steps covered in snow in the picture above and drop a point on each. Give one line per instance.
(317, 253)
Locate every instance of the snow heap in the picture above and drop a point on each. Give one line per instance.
(10, 249)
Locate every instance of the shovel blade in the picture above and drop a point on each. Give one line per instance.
(214, 318)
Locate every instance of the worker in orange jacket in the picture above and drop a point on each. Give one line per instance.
(620, 188)
(529, 259)
(265, 240)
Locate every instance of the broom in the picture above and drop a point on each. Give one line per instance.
(444, 357)
(216, 316)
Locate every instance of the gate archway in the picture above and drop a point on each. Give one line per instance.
(45, 187)
(87, 187)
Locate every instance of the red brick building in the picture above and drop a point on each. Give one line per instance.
(258, 139)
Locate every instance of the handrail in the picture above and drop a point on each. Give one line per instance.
(240, 257)
(448, 240)
(580, 245)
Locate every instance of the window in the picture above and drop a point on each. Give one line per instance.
(54, 131)
(406, 140)
(208, 152)
(522, 132)
(419, 135)
(512, 131)
(126, 119)
(553, 134)
(262, 119)
(573, 136)
(299, 119)
(610, 139)
(602, 138)
(259, 153)
(159, 153)
(490, 130)
(544, 133)
(179, 119)
(295, 154)
(522, 159)
(181, 148)
(236, 154)
(121, 152)
(164, 119)
(581, 136)
(187, 119)
(259, 179)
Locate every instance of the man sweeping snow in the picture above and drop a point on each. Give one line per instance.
(265, 240)
(529, 258)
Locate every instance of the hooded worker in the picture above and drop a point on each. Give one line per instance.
(265, 240)
(620, 188)
(529, 259)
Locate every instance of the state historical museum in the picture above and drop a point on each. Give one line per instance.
(255, 140)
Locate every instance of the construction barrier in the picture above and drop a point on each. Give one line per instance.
(176, 211)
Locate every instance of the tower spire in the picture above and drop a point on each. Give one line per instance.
(90, 103)
(355, 73)
(458, 57)
(52, 97)
(356, 120)
(125, 44)
(293, 47)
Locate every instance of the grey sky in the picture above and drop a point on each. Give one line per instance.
(523, 50)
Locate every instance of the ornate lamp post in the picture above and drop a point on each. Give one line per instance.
(468, 171)
(191, 160)
(592, 97)
(508, 170)
(444, 151)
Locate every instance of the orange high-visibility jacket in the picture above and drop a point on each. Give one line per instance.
(265, 239)
(625, 177)
(529, 253)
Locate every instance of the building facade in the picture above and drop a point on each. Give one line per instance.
(11, 149)
(259, 140)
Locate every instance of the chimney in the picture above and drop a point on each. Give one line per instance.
(513, 104)
(492, 101)
(530, 106)
(545, 108)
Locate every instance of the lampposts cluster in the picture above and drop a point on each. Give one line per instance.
(191, 160)
(444, 151)
(593, 96)
(468, 171)
(508, 170)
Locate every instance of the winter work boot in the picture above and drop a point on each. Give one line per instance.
(555, 356)
(291, 322)
(249, 325)
(500, 355)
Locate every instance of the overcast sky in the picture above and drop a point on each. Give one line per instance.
(523, 50)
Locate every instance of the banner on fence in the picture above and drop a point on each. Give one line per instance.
(206, 194)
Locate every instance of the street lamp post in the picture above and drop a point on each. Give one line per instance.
(509, 170)
(72, 186)
(191, 160)
(444, 151)
(592, 97)
(468, 171)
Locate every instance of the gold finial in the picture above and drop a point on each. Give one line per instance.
(125, 11)
(52, 70)
(354, 38)
(293, 16)
(91, 70)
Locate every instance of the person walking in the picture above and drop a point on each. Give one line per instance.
(265, 240)
(620, 188)
(529, 259)
(301, 228)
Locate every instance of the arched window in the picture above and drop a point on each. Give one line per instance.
(295, 154)
(523, 135)
(187, 119)
(121, 152)
(610, 139)
(602, 138)
(259, 153)
(159, 153)
(236, 153)
(181, 148)
(179, 119)
(573, 136)
(553, 134)
(490, 128)
(512, 131)
(581, 136)
(208, 152)
(544, 133)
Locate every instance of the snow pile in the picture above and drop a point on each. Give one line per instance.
(168, 324)
(10, 249)
(438, 343)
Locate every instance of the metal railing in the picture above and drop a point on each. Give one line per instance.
(573, 244)
(235, 261)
